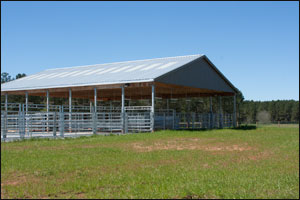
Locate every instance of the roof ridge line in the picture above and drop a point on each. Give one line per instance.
(126, 61)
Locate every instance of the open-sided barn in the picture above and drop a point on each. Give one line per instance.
(166, 78)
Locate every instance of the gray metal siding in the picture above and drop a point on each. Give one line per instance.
(198, 74)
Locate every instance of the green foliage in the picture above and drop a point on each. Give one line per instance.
(5, 77)
(280, 110)
(20, 75)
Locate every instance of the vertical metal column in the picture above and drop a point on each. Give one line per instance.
(168, 105)
(54, 124)
(26, 101)
(211, 113)
(123, 109)
(5, 117)
(173, 115)
(123, 98)
(21, 122)
(25, 123)
(234, 110)
(95, 99)
(70, 110)
(6, 102)
(47, 101)
(61, 121)
(193, 120)
(152, 108)
(164, 121)
(220, 113)
(95, 112)
(47, 107)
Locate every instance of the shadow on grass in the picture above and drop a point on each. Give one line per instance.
(191, 130)
(242, 127)
(245, 127)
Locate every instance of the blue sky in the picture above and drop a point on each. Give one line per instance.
(254, 44)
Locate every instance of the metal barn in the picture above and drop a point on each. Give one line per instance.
(168, 78)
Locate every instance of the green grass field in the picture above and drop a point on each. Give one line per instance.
(258, 163)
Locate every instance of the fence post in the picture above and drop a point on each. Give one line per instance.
(212, 120)
(5, 125)
(20, 107)
(21, 125)
(221, 120)
(24, 124)
(187, 118)
(152, 121)
(126, 122)
(234, 111)
(110, 120)
(164, 121)
(173, 119)
(193, 121)
(94, 122)
(54, 124)
(30, 125)
(61, 121)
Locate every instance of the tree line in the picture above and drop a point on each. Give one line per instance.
(247, 111)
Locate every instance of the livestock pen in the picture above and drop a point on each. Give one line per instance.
(109, 91)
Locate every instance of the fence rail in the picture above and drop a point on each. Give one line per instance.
(19, 122)
(167, 120)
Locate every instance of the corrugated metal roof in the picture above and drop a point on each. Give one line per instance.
(100, 74)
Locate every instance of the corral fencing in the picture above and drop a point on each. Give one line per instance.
(194, 121)
(17, 121)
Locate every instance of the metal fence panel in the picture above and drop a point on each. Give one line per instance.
(39, 123)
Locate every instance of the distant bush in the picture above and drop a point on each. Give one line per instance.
(263, 117)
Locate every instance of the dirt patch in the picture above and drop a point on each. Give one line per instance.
(190, 144)
(15, 181)
(261, 156)
(80, 195)
(19, 178)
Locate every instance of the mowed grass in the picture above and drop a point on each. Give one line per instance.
(258, 163)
